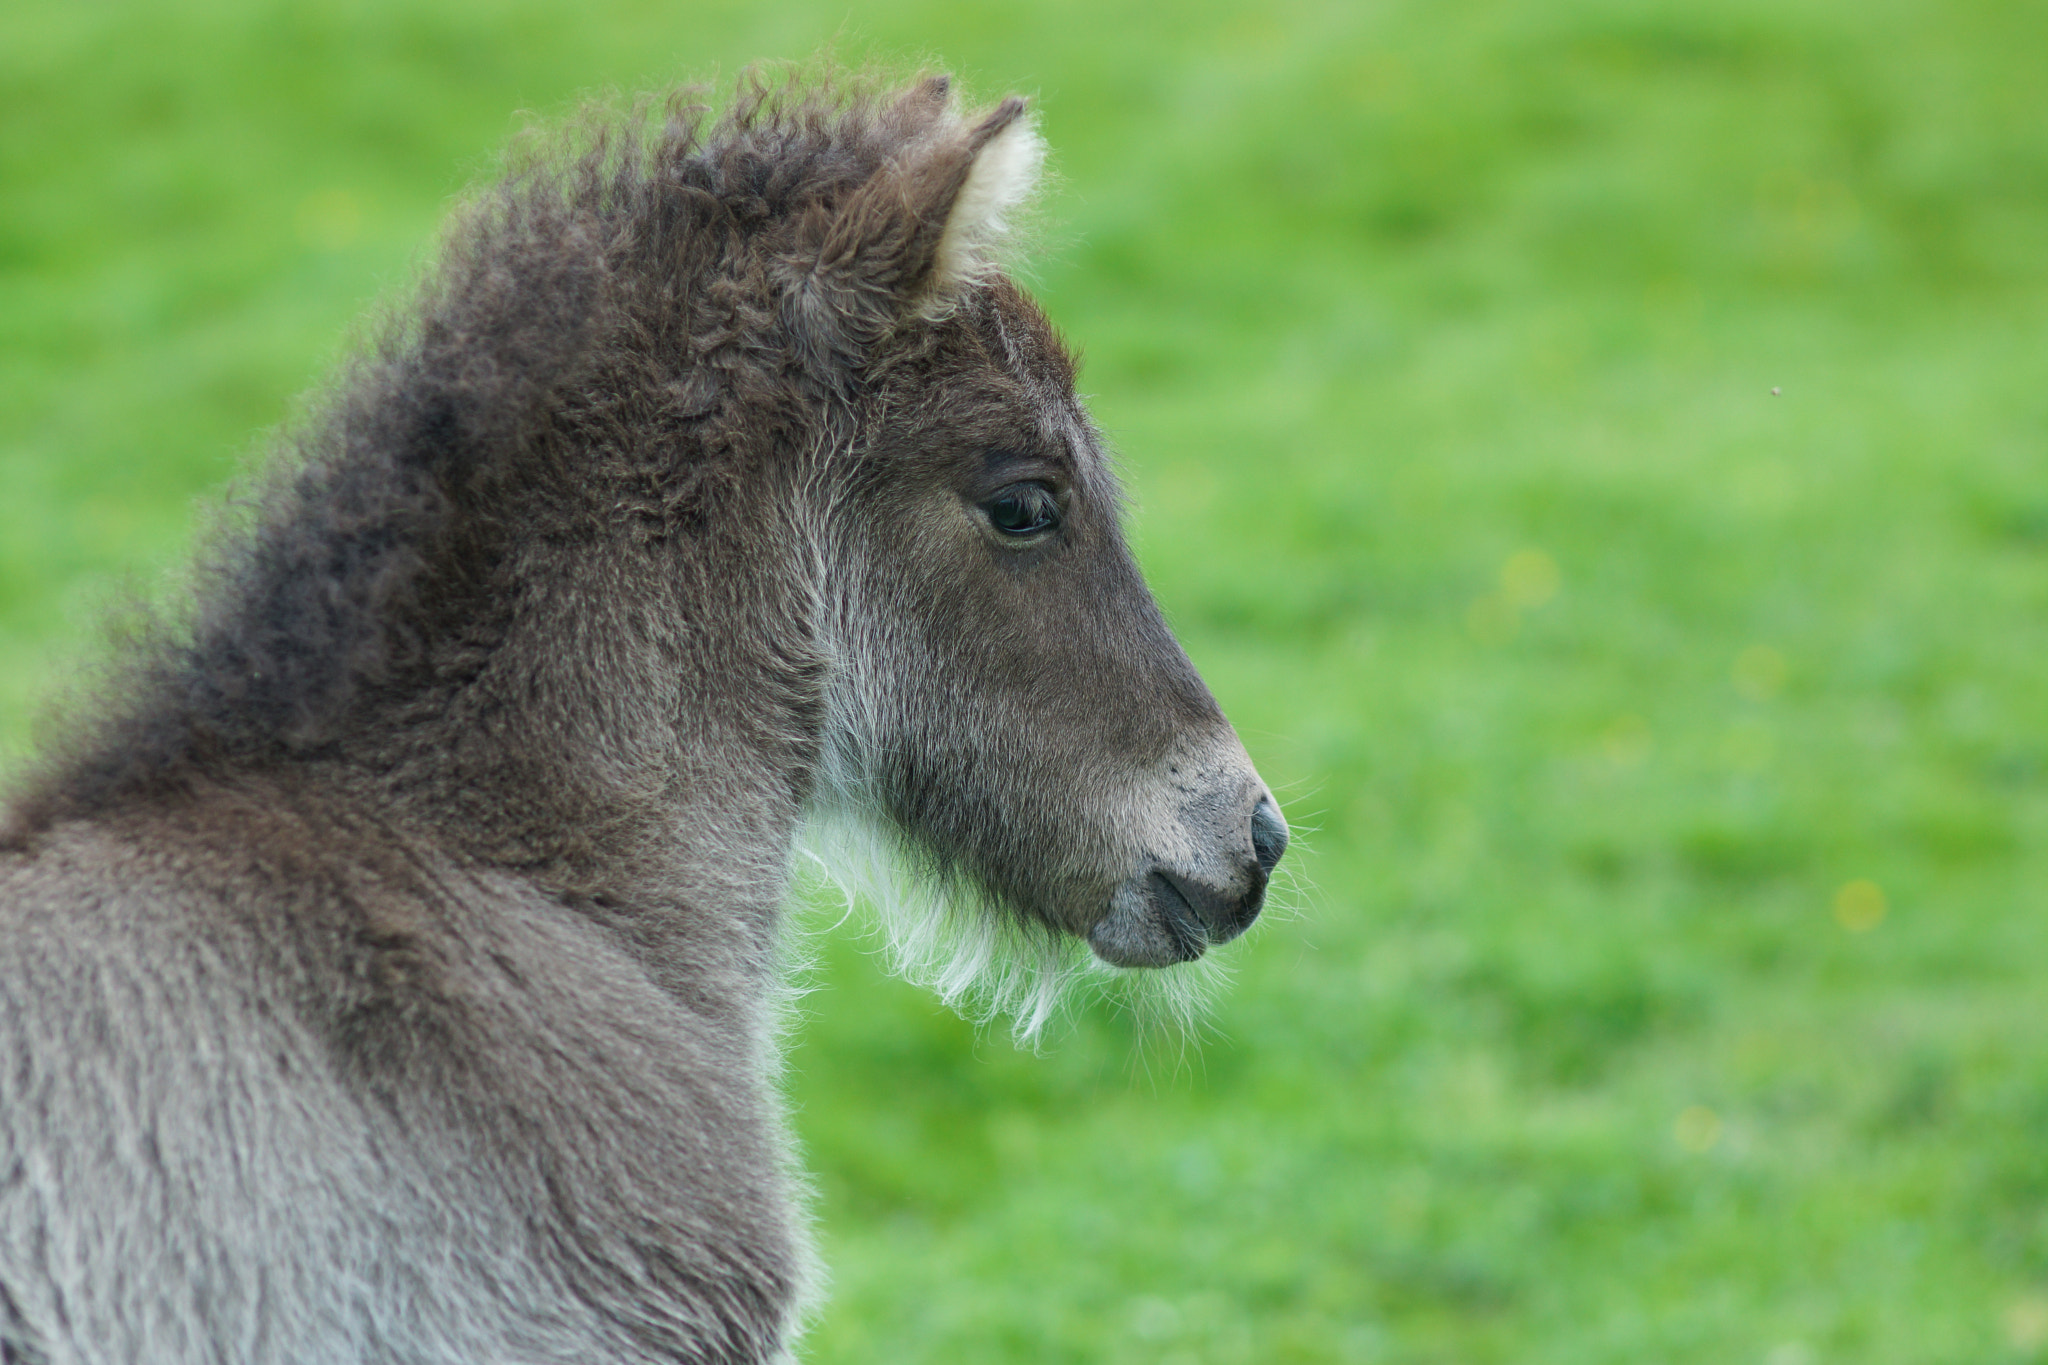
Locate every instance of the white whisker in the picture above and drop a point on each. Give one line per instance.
(980, 958)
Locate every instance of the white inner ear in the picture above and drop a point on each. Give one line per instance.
(1003, 177)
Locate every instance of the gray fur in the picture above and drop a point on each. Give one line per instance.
(388, 963)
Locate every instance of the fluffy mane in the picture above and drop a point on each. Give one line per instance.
(605, 335)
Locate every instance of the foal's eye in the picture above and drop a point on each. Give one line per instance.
(1023, 509)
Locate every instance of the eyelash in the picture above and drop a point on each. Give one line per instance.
(1023, 510)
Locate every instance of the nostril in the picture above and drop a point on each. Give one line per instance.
(1269, 834)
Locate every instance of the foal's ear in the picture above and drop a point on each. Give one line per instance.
(924, 227)
(973, 193)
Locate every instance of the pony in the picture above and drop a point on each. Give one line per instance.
(389, 957)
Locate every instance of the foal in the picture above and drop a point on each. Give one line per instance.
(388, 973)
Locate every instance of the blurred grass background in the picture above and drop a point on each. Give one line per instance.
(1595, 451)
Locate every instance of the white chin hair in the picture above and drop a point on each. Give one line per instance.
(982, 959)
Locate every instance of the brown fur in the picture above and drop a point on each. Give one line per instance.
(387, 970)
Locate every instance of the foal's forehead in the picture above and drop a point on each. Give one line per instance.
(1019, 338)
(1016, 337)
(999, 372)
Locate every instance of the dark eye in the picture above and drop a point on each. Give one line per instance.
(1023, 509)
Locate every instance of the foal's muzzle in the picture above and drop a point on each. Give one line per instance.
(1169, 914)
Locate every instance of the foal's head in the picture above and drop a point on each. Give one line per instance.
(1006, 701)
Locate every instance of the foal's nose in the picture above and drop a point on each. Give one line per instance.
(1269, 835)
(1224, 912)
(1174, 911)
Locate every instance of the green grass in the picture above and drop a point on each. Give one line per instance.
(1440, 344)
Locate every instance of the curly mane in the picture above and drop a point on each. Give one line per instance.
(609, 334)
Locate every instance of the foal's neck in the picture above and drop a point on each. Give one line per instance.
(643, 732)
